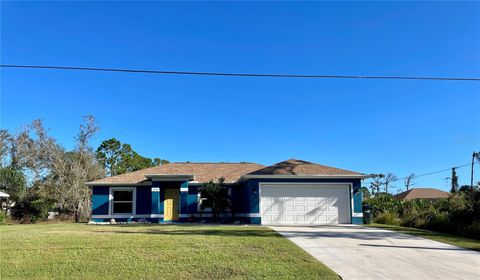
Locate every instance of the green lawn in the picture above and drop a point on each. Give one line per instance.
(456, 240)
(79, 251)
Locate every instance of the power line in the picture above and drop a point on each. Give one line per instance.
(436, 172)
(262, 75)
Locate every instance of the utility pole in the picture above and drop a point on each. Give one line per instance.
(473, 162)
(454, 187)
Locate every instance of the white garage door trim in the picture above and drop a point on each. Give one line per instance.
(280, 184)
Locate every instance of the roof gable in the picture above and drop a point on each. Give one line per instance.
(301, 167)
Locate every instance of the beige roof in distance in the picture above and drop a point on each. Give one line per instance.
(422, 193)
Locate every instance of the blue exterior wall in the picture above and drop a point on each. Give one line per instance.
(245, 199)
(192, 199)
(183, 201)
(100, 197)
(155, 199)
(144, 198)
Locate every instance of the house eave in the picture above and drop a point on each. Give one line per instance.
(170, 177)
(309, 176)
(93, 184)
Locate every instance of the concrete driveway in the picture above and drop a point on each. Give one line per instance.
(356, 252)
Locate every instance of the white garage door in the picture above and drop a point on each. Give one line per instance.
(304, 204)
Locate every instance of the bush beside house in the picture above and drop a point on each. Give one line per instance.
(32, 207)
(458, 214)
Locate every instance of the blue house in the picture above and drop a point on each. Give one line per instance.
(292, 192)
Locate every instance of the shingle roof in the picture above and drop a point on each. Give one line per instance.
(203, 172)
(301, 167)
(422, 193)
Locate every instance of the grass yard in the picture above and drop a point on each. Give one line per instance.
(456, 240)
(80, 251)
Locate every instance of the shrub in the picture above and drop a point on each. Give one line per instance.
(217, 195)
(3, 217)
(459, 214)
(31, 208)
(388, 218)
(437, 221)
(472, 230)
(384, 203)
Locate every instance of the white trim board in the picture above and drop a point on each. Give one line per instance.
(197, 215)
(118, 184)
(169, 177)
(110, 200)
(236, 215)
(118, 216)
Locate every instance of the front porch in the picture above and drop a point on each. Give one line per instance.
(169, 201)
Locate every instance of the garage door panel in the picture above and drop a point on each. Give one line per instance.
(305, 204)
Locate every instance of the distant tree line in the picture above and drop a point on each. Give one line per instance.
(40, 175)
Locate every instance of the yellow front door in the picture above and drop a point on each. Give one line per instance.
(171, 205)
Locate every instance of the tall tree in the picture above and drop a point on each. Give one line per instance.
(118, 158)
(132, 161)
(454, 186)
(71, 170)
(12, 182)
(365, 193)
(5, 148)
(388, 180)
(109, 154)
(376, 183)
(32, 151)
(158, 161)
(54, 173)
(409, 181)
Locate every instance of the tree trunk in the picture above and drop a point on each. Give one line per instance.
(77, 216)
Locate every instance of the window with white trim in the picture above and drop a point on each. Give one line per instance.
(122, 202)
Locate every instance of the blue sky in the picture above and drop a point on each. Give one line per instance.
(371, 126)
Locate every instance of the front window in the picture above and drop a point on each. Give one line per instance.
(122, 202)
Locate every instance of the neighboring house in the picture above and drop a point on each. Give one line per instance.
(4, 195)
(289, 192)
(422, 193)
(4, 200)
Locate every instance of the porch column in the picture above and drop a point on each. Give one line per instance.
(183, 201)
(157, 202)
